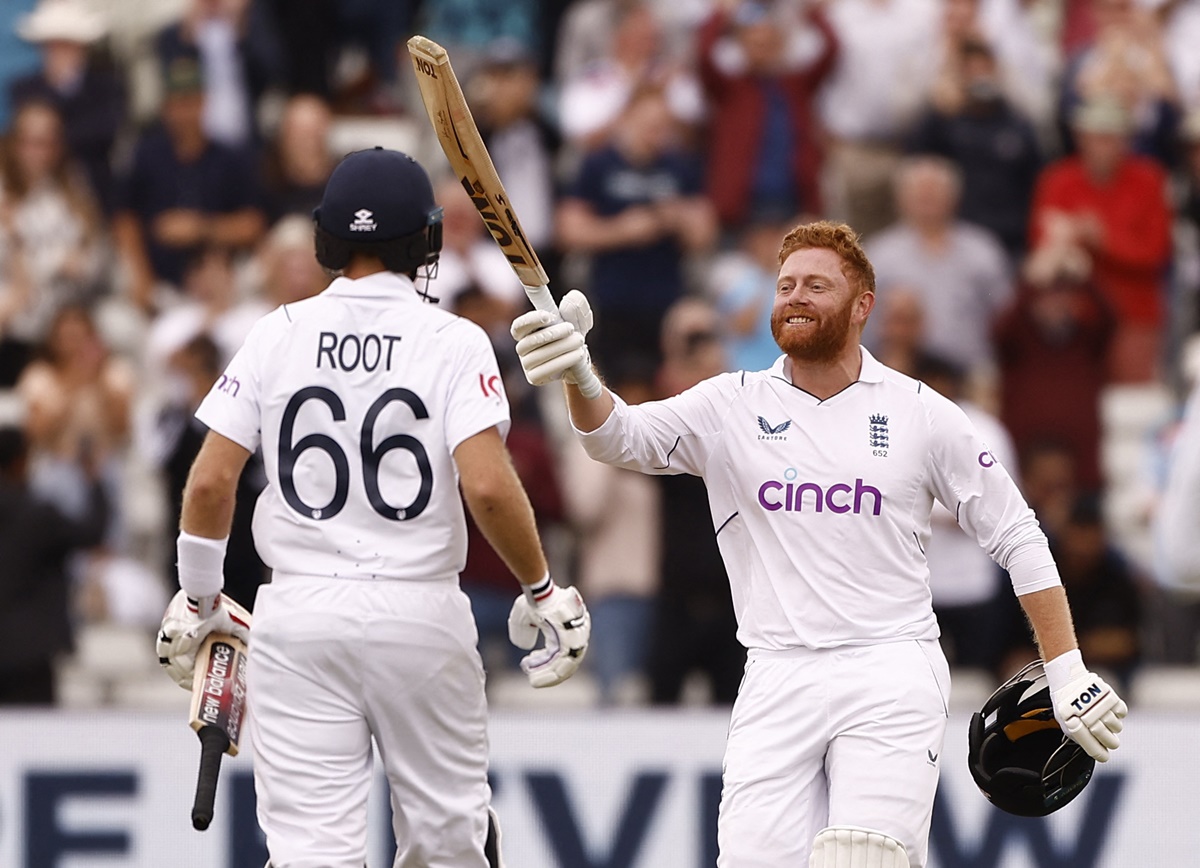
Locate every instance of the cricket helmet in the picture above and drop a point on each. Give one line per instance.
(1018, 754)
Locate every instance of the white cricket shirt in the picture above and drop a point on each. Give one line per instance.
(822, 507)
(359, 397)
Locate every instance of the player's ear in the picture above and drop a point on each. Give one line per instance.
(864, 303)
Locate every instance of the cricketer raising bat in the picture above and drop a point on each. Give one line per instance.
(460, 139)
(217, 713)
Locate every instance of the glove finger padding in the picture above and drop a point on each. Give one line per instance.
(530, 322)
(523, 624)
(575, 309)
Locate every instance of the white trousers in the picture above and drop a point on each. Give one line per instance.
(332, 664)
(841, 736)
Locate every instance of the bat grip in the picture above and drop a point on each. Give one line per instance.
(213, 743)
(589, 384)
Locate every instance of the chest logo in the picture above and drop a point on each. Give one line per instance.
(879, 435)
(773, 432)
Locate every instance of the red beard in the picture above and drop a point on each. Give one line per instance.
(822, 341)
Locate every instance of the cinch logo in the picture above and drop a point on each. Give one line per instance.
(364, 221)
(840, 497)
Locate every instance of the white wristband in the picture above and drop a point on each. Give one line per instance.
(201, 563)
(539, 592)
(1063, 668)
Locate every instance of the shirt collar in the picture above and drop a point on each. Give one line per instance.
(381, 284)
(872, 369)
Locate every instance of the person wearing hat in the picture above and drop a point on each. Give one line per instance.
(372, 408)
(1114, 205)
(86, 92)
(183, 191)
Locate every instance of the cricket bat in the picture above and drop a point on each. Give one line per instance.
(464, 148)
(217, 714)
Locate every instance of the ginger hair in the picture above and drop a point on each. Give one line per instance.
(839, 238)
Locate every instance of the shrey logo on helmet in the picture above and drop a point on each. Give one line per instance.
(364, 221)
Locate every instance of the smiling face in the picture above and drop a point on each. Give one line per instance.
(817, 309)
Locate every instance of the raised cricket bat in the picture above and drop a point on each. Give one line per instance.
(217, 714)
(460, 139)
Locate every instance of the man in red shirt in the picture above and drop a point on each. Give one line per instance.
(1114, 204)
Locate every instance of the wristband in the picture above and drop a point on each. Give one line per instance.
(539, 592)
(201, 563)
(1063, 668)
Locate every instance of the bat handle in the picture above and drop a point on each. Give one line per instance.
(589, 384)
(213, 743)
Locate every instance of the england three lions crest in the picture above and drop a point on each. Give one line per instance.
(877, 430)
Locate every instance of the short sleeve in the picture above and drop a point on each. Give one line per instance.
(232, 407)
(475, 399)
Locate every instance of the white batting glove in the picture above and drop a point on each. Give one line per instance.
(1085, 706)
(548, 349)
(183, 631)
(560, 616)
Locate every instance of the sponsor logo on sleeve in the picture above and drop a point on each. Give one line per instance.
(489, 385)
(229, 385)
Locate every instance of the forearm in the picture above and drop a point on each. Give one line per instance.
(1050, 617)
(506, 519)
(588, 415)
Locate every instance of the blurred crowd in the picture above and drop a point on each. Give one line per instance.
(1025, 173)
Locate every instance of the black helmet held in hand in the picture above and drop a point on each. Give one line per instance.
(379, 202)
(1018, 754)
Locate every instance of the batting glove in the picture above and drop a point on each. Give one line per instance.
(1085, 706)
(548, 348)
(183, 631)
(560, 616)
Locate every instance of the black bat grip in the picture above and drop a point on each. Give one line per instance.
(213, 743)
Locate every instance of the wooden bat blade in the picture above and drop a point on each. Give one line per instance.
(463, 145)
(219, 688)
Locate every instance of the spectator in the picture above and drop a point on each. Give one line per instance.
(1189, 135)
(1114, 205)
(87, 94)
(992, 144)
(637, 208)
(78, 398)
(193, 369)
(51, 244)
(1052, 345)
(1125, 62)
(504, 100)
(617, 516)
(886, 65)
(760, 76)
(289, 271)
(966, 584)
(746, 288)
(592, 101)
(36, 541)
(311, 41)
(240, 57)
(299, 160)
(959, 270)
(209, 307)
(182, 191)
(901, 343)
(1049, 481)
(694, 628)
(467, 27)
